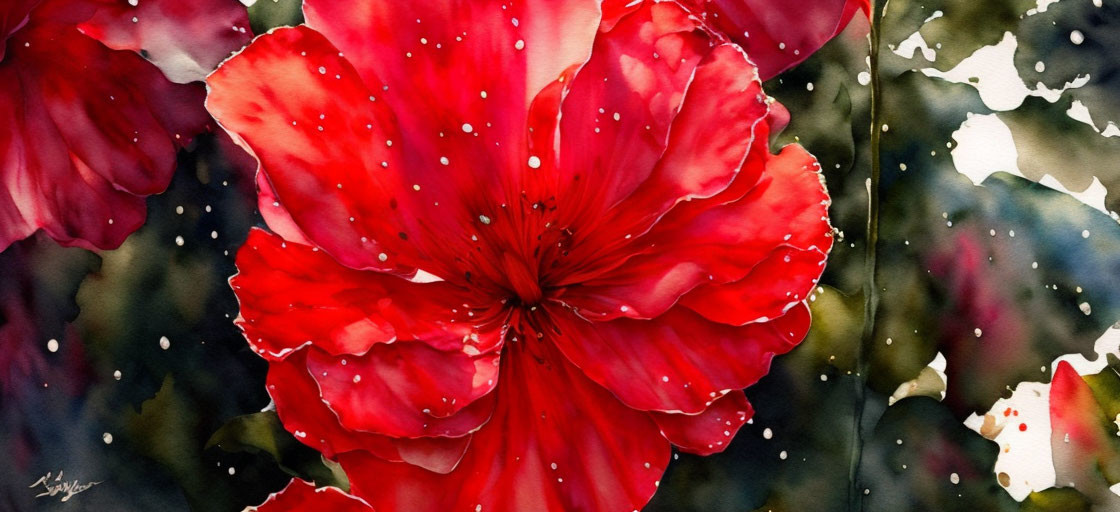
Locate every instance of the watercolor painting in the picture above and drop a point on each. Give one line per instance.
(560, 255)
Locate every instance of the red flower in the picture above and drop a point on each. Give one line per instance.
(516, 256)
(777, 34)
(92, 131)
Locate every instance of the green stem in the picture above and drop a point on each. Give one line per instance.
(870, 288)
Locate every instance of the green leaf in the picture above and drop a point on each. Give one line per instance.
(262, 432)
(1057, 499)
(265, 15)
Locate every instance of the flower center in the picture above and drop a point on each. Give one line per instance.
(522, 279)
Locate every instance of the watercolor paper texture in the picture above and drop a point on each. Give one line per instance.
(588, 255)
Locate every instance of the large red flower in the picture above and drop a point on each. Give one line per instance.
(514, 255)
(92, 130)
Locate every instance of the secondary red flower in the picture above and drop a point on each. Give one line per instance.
(777, 34)
(91, 131)
(515, 256)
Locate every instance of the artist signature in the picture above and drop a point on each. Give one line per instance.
(54, 485)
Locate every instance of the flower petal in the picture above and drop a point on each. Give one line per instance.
(300, 495)
(301, 108)
(523, 458)
(459, 77)
(776, 34)
(779, 228)
(705, 147)
(13, 15)
(459, 49)
(292, 294)
(91, 134)
(780, 282)
(186, 40)
(304, 414)
(679, 361)
(407, 389)
(710, 431)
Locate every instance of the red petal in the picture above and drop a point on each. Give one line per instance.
(303, 413)
(679, 361)
(776, 34)
(1078, 430)
(407, 389)
(275, 216)
(459, 49)
(276, 95)
(712, 430)
(186, 40)
(524, 458)
(1073, 410)
(701, 246)
(13, 15)
(780, 282)
(90, 135)
(616, 118)
(459, 77)
(300, 496)
(292, 295)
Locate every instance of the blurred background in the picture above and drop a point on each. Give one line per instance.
(999, 252)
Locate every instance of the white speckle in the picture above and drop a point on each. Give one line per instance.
(534, 162)
(214, 235)
(1039, 66)
(1086, 308)
(164, 343)
(783, 455)
(179, 210)
(484, 219)
(863, 77)
(117, 374)
(179, 241)
(955, 478)
(977, 332)
(232, 471)
(520, 44)
(664, 378)
(357, 379)
(382, 257)
(322, 70)
(467, 128)
(443, 160)
(1085, 234)
(107, 438)
(1076, 37)
(767, 433)
(52, 345)
(482, 94)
